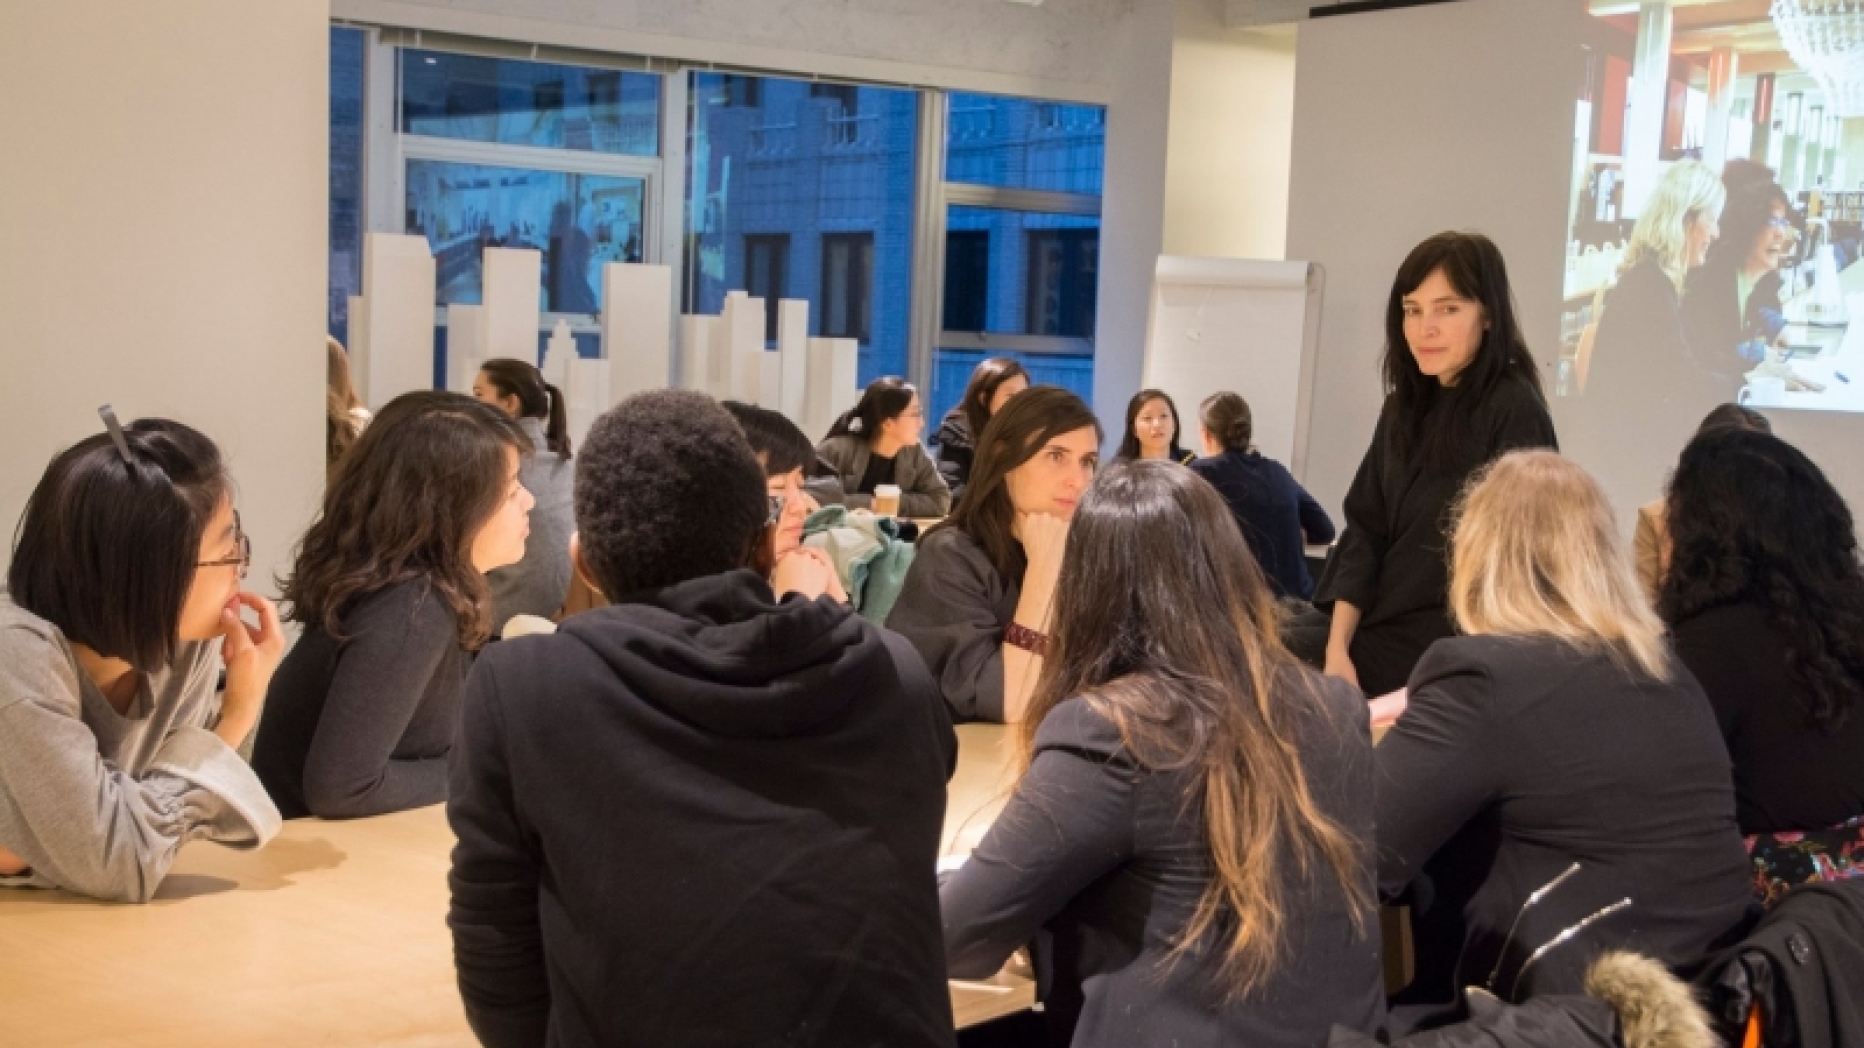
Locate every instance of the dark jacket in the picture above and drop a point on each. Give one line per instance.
(922, 490)
(1276, 514)
(704, 818)
(1391, 561)
(1803, 964)
(1107, 859)
(955, 451)
(363, 726)
(1789, 774)
(1715, 325)
(1565, 757)
(954, 608)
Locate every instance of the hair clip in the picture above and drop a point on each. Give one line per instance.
(116, 434)
(854, 425)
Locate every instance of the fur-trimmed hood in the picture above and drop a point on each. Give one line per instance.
(1630, 1002)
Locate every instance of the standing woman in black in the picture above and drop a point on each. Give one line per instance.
(1461, 389)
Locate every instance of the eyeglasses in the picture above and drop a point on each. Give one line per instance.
(776, 510)
(242, 558)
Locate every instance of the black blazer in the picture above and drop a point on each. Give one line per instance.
(1788, 773)
(1571, 758)
(1391, 561)
(1714, 323)
(1099, 858)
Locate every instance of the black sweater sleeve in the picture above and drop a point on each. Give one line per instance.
(397, 644)
(948, 610)
(1436, 767)
(1352, 573)
(1316, 526)
(498, 947)
(1069, 822)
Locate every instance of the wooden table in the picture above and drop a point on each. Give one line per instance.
(333, 934)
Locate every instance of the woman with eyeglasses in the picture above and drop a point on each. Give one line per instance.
(390, 586)
(783, 450)
(123, 605)
(1732, 301)
(876, 442)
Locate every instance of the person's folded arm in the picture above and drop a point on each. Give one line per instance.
(381, 676)
(79, 822)
(1437, 768)
(498, 948)
(1069, 822)
(1316, 525)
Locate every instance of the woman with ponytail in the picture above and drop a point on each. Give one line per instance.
(877, 442)
(537, 584)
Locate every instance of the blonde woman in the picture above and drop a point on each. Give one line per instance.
(344, 415)
(1560, 731)
(1642, 358)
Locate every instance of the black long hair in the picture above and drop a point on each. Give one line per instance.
(1753, 521)
(536, 398)
(884, 398)
(1129, 443)
(988, 377)
(1474, 267)
(107, 546)
(1746, 216)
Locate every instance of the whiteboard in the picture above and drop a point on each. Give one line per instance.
(1243, 326)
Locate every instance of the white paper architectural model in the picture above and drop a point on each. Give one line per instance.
(809, 380)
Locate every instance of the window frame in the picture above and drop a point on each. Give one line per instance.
(861, 293)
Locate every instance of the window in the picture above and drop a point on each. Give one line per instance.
(847, 273)
(766, 275)
(348, 48)
(510, 102)
(1015, 143)
(1062, 282)
(967, 283)
(1022, 240)
(578, 222)
(829, 166)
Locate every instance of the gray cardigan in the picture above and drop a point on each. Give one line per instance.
(98, 802)
(537, 584)
(922, 491)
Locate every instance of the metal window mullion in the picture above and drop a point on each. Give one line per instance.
(961, 194)
(996, 342)
(495, 154)
(928, 297)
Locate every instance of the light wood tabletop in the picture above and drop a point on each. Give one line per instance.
(333, 934)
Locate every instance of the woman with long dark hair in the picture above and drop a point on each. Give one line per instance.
(537, 584)
(992, 385)
(389, 584)
(1152, 429)
(123, 603)
(976, 600)
(876, 442)
(1732, 300)
(1461, 389)
(1192, 825)
(1765, 596)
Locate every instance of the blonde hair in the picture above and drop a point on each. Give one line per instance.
(341, 428)
(1689, 191)
(1536, 553)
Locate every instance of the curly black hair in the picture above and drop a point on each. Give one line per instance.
(1753, 521)
(667, 490)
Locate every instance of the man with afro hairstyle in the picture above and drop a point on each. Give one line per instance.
(707, 813)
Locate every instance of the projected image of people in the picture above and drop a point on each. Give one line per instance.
(1713, 245)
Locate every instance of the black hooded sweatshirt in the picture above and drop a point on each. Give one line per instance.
(702, 818)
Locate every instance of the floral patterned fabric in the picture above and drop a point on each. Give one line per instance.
(1783, 861)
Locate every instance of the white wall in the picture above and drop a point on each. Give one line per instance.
(1407, 123)
(1460, 116)
(1231, 137)
(162, 238)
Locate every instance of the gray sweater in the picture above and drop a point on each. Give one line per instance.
(954, 607)
(98, 802)
(537, 584)
(922, 491)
